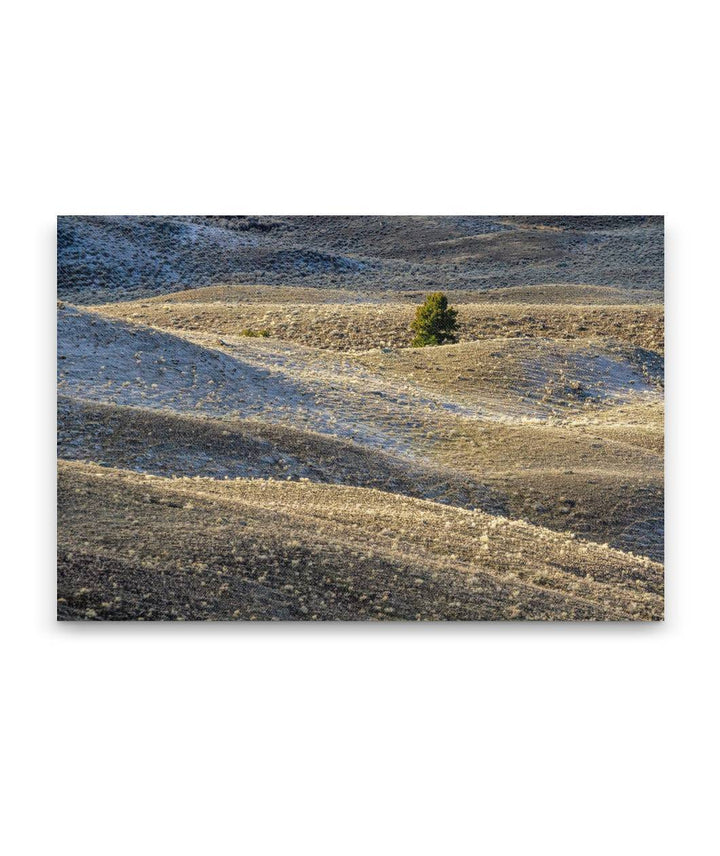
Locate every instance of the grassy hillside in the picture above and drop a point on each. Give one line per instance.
(369, 323)
(111, 258)
(272, 448)
(262, 549)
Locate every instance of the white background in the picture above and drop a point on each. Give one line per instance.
(344, 739)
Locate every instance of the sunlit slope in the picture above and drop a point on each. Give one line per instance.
(579, 294)
(359, 325)
(258, 549)
(532, 376)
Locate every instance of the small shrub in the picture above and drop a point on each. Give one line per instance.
(435, 323)
(255, 333)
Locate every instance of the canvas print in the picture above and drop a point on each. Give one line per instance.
(360, 418)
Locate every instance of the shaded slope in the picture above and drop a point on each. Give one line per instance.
(165, 443)
(101, 258)
(126, 364)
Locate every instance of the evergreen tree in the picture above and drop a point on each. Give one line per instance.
(434, 322)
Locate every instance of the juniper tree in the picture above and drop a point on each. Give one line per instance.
(434, 322)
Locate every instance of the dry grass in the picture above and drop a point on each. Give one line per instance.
(548, 293)
(530, 375)
(170, 444)
(361, 326)
(113, 258)
(329, 471)
(265, 549)
(563, 433)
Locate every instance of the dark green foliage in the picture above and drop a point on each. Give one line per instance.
(434, 322)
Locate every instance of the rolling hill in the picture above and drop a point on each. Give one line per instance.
(244, 431)
(260, 549)
(112, 258)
